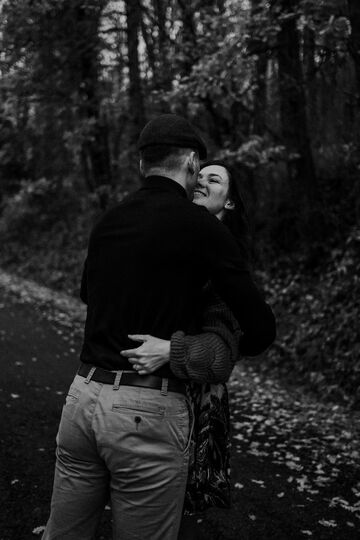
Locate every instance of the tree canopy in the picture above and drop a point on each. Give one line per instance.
(274, 87)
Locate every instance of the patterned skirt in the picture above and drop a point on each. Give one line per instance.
(209, 467)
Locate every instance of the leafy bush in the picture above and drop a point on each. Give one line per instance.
(318, 324)
(44, 230)
(36, 207)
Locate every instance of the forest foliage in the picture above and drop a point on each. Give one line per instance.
(274, 88)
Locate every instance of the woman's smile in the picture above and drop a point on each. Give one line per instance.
(199, 193)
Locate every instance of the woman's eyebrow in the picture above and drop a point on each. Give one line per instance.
(214, 174)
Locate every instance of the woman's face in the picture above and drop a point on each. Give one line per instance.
(212, 189)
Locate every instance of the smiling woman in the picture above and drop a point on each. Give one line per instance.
(213, 189)
(218, 189)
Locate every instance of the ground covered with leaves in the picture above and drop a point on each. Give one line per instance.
(295, 459)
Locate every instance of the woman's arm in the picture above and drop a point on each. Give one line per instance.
(206, 357)
(211, 355)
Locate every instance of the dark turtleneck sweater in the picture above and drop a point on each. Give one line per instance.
(148, 260)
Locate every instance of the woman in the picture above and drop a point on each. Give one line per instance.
(206, 359)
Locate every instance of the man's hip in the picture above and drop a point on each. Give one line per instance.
(136, 439)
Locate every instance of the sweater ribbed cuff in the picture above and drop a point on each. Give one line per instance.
(178, 355)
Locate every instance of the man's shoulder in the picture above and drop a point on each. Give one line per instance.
(197, 217)
(206, 221)
(117, 207)
(199, 213)
(138, 205)
(111, 215)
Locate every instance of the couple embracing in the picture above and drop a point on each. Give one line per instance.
(171, 304)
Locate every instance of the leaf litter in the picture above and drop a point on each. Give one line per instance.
(318, 443)
(312, 440)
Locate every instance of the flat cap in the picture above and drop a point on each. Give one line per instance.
(172, 130)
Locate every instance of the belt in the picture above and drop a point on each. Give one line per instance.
(131, 379)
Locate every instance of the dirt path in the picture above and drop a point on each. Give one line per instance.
(296, 464)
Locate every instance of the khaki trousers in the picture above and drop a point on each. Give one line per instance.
(128, 445)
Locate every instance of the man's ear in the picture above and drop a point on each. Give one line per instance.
(193, 163)
(229, 205)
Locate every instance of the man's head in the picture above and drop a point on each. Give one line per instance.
(170, 146)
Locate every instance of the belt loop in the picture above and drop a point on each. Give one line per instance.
(90, 374)
(117, 380)
(164, 386)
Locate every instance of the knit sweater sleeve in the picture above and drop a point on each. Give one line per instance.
(209, 356)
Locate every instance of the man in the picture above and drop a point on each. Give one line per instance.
(121, 434)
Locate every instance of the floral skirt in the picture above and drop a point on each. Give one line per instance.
(209, 468)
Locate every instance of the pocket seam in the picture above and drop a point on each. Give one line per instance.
(119, 406)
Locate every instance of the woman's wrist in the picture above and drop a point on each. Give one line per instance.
(165, 353)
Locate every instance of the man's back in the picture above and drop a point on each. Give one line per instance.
(143, 272)
(147, 262)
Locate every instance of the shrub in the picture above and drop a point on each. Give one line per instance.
(36, 207)
(318, 323)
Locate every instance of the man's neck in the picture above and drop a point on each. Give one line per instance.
(177, 177)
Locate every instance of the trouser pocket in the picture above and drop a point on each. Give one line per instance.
(167, 419)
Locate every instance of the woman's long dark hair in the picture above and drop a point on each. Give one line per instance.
(236, 220)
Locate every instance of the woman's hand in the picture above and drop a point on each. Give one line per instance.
(150, 356)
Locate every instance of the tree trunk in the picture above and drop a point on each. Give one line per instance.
(95, 152)
(257, 46)
(309, 76)
(293, 106)
(136, 99)
(165, 79)
(150, 51)
(188, 41)
(354, 14)
(259, 125)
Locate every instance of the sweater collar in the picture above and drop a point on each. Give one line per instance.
(163, 183)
